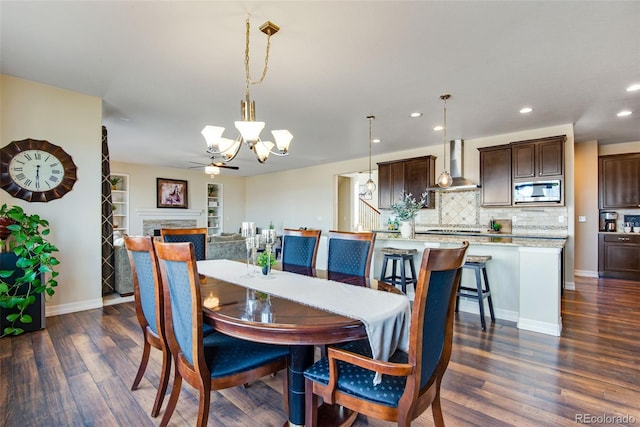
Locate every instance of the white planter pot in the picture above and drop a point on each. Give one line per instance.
(406, 229)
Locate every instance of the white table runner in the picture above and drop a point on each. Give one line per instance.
(386, 316)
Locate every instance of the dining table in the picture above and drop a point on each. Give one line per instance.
(303, 308)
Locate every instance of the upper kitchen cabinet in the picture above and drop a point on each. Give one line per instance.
(495, 175)
(538, 158)
(411, 175)
(619, 181)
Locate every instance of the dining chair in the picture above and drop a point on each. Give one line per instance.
(197, 236)
(349, 254)
(149, 304)
(410, 381)
(300, 247)
(211, 362)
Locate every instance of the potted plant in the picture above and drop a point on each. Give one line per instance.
(266, 261)
(115, 180)
(33, 256)
(405, 209)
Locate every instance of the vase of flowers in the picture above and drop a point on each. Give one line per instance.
(405, 211)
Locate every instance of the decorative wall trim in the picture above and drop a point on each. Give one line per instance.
(586, 273)
(542, 327)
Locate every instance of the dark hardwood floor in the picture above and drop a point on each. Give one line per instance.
(79, 370)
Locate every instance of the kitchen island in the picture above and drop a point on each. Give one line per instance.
(525, 272)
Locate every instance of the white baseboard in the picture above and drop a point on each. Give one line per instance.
(73, 307)
(570, 286)
(585, 273)
(541, 327)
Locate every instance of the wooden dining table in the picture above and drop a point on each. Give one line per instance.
(276, 320)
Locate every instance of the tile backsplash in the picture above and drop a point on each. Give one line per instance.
(461, 210)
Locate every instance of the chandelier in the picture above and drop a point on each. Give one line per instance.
(248, 127)
(444, 180)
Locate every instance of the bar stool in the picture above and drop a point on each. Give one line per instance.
(478, 264)
(401, 256)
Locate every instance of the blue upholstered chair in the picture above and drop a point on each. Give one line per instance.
(149, 303)
(300, 247)
(211, 362)
(349, 254)
(197, 236)
(410, 381)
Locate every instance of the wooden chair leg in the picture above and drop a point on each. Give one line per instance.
(311, 405)
(203, 407)
(164, 382)
(173, 399)
(436, 409)
(285, 390)
(143, 363)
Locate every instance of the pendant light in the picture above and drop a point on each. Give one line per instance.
(370, 185)
(444, 180)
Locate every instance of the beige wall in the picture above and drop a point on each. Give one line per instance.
(72, 121)
(142, 193)
(586, 198)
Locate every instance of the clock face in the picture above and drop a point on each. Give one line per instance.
(36, 170)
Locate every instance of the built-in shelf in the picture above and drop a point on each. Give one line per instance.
(120, 204)
(214, 209)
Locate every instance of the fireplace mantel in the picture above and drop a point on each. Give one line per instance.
(155, 213)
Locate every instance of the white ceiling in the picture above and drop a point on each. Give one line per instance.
(166, 69)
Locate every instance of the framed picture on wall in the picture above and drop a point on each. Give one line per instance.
(171, 193)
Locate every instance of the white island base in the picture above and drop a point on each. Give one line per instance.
(525, 276)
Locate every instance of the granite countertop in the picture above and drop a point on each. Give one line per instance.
(478, 238)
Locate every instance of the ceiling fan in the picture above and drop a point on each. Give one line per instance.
(212, 168)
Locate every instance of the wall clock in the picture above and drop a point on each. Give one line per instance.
(36, 170)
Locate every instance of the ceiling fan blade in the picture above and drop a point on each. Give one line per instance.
(197, 163)
(222, 165)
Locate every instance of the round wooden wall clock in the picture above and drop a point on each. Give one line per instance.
(36, 170)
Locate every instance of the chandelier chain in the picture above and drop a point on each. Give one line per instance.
(249, 81)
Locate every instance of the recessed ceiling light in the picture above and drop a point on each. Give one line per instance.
(376, 141)
(437, 128)
(415, 115)
(624, 113)
(633, 87)
(526, 110)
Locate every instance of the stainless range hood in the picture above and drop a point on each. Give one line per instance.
(456, 166)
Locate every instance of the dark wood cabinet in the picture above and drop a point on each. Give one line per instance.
(538, 158)
(619, 256)
(412, 175)
(495, 175)
(619, 181)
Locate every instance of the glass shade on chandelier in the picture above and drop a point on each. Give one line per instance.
(370, 186)
(444, 180)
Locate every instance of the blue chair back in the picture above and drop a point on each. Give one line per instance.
(350, 253)
(180, 296)
(197, 236)
(183, 307)
(144, 273)
(435, 317)
(300, 247)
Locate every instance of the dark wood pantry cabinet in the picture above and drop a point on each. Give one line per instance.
(413, 175)
(619, 181)
(495, 175)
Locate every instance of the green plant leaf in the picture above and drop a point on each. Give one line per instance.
(26, 319)
(12, 317)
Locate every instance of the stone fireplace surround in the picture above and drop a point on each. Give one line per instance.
(155, 219)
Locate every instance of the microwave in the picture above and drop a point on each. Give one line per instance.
(537, 191)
